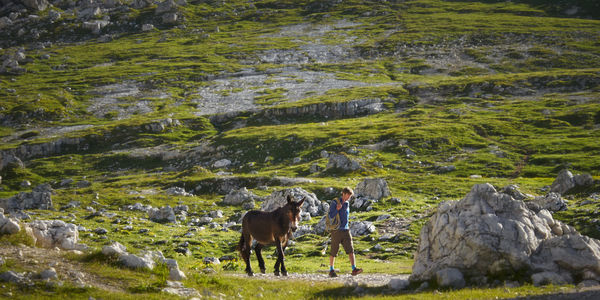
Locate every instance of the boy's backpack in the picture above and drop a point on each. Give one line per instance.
(332, 224)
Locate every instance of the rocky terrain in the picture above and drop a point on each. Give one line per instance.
(135, 134)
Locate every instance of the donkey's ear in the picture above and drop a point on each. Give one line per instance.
(289, 199)
(301, 202)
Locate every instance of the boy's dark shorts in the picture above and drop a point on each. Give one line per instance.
(341, 237)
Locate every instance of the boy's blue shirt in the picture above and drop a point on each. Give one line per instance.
(344, 213)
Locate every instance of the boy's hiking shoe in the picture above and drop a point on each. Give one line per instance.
(356, 271)
(332, 274)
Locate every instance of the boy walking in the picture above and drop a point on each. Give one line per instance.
(342, 234)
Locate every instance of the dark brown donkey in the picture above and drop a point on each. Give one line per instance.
(269, 228)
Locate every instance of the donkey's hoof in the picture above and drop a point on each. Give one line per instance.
(250, 273)
(276, 273)
(284, 273)
(263, 271)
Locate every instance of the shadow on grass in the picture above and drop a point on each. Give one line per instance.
(354, 291)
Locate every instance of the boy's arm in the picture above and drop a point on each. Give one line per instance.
(333, 209)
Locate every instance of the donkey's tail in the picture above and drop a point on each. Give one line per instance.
(240, 246)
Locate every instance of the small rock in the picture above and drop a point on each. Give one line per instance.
(49, 273)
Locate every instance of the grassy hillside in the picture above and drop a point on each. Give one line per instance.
(509, 91)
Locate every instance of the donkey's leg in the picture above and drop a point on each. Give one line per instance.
(280, 259)
(261, 261)
(246, 252)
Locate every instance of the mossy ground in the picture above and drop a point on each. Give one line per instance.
(521, 103)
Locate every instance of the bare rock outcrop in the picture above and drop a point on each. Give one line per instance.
(39, 198)
(491, 235)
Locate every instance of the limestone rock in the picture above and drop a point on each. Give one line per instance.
(450, 277)
(49, 273)
(56, 233)
(361, 228)
(552, 202)
(372, 188)
(312, 205)
(162, 215)
(8, 225)
(513, 191)
(175, 273)
(36, 5)
(177, 191)
(566, 181)
(490, 234)
(222, 163)
(165, 6)
(39, 198)
(237, 197)
(137, 262)
(114, 249)
(170, 18)
(343, 163)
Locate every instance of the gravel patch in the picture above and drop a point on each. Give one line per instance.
(364, 279)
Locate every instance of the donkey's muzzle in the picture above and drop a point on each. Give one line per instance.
(294, 228)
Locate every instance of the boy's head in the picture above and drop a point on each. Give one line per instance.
(347, 192)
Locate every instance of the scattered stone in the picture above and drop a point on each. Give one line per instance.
(100, 230)
(175, 273)
(56, 233)
(311, 204)
(177, 191)
(137, 262)
(177, 288)
(83, 184)
(114, 249)
(341, 162)
(183, 250)
(566, 181)
(383, 217)
(552, 202)
(372, 188)
(211, 261)
(223, 163)
(240, 196)
(163, 215)
(361, 228)
(138, 206)
(49, 273)
(12, 277)
(147, 27)
(513, 191)
(8, 225)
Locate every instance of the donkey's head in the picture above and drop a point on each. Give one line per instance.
(295, 208)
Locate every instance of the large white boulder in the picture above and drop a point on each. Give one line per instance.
(490, 234)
